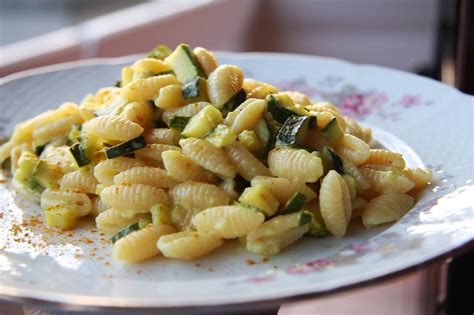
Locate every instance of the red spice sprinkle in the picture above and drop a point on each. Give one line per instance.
(250, 262)
(210, 270)
(265, 259)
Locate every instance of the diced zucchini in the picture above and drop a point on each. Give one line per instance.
(317, 228)
(250, 140)
(260, 197)
(63, 218)
(195, 90)
(79, 156)
(143, 223)
(331, 161)
(46, 175)
(305, 217)
(75, 134)
(203, 122)
(179, 122)
(6, 167)
(351, 184)
(293, 131)
(333, 132)
(184, 64)
(27, 162)
(234, 102)
(294, 204)
(160, 215)
(126, 147)
(221, 136)
(159, 52)
(39, 149)
(276, 105)
(90, 145)
(125, 231)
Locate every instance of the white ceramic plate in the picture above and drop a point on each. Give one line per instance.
(428, 122)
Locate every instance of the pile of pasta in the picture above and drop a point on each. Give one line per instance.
(183, 154)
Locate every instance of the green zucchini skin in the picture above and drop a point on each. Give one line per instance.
(6, 167)
(78, 153)
(126, 147)
(279, 113)
(235, 101)
(331, 161)
(179, 122)
(333, 132)
(184, 64)
(125, 231)
(191, 89)
(294, 204)
(294, 130)
(305, 217)
(39, 149)
(160, 52)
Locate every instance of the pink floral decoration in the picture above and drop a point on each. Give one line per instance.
(310, 266)
(359, 106)
(409, 100)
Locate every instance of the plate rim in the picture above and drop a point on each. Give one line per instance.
(458, 250)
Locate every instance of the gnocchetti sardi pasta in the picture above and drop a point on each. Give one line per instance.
(184, 154)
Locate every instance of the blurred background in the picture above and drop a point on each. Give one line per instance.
(434, 38)
(429, 37)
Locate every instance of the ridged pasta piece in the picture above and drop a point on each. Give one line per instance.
(183, 169)
(140, 245)
(295, 164)
(78, 202)
(104, 95)
(229, 120)
(361, 182)
(59, 158)
(15, 154)
(276, 234)
(5, 150)
(256, 89)
(79, 181)
(332, 205)
(358, 205)
(106, 170)
(97, 206)
(420, 176)
(152, 65)
(223, 83)
(329, 108)
(383, 181)
(208, 156)
(246, 164)
(155, 150)
(197, 195)
(162, 136)
(353, 149)
(58, 128)
(206, 59)
(145, 175)
(346, 198)
(140, 113)
(229, 186)
(353, 128)
(147, 89)
(184, 111)
(386, 208)
(111, 220)
(283, 188)
(187, 245)
(113, 128)
(299, 98)
(170, 97)
(134, 197)
(228, 221)
(247, 118)
(385, 157)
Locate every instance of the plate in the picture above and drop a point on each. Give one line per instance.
(430, 123)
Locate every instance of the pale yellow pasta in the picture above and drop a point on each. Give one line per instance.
(140, 113)
(385, 157)
(97, 206)
(184, 111)
(187, 245)
(386, 208)
(206, 59)
(353, 128)
(145, 175)
(58, 128)
(420, 176)
(106, 170)
(229, 120)
(260, 197)
(247, 118)
(5, 150)
(59, 158)
(382, 181)
(223, 83)
(78, 202)
(152, 65)
(299, 98)
(126, 75)
(331, 202)
(346, 197)
(113, 128)
(170, 97)
(183, 169)
(229, 186)
(250, 140)
(196, 195)
(361, 182)
(104, 95)
(147, 89)
(79, 181)
(208, 156)
(256, 89)
(295, 164)
(111, 220)
(137, 198)
(353, 149)
(358, 205)
(28, 194)
(154, 151)
(330, 108)
(162, 136)
(246, 164)
(283, 188)
(15, 154)
(140, 245)
(228, 221)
